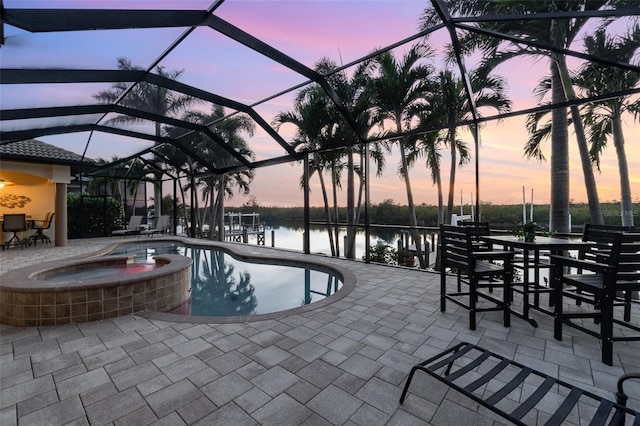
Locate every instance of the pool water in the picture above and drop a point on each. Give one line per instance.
(222, 285)
(99, 272)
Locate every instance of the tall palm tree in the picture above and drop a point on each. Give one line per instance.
(604, 118)
(176, 163)
(451, 102)
(560, 34)
(399, 87)
(230, 129)
(213, 188)
(320, 125)
(311, 118)
(151, 98)
(355, 93)
(429, 145)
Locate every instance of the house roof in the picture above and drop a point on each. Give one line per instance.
(35, 151)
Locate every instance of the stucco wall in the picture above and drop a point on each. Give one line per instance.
(38, 183)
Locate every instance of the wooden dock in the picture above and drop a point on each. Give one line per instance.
(239, 226)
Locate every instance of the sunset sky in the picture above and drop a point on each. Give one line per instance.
(306, 30)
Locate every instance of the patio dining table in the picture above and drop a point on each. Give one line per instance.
(534, 260)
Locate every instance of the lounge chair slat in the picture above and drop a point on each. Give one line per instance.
(488, 376)
(567, 405)
(450, 358)
(506, 389)
(531, 402)
(473, 364)
(601, 413)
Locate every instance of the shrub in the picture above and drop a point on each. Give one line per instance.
(383, 254)
(92, 216)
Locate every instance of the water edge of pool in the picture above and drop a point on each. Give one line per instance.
(47, 303)
(251, 254)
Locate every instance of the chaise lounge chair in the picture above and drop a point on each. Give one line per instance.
(133, 228)
(160, 228)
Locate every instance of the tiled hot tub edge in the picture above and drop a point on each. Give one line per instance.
(27, 300)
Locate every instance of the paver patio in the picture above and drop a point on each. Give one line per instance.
(343, 363)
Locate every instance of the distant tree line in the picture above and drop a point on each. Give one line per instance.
(501, 216)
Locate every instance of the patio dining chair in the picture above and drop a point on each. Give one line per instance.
(478, 269)
(15, 223)
(599, 236)
(40, 226)
(594, 281)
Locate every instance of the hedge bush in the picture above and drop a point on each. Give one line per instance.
(92, 216)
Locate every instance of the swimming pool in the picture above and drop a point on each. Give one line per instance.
(223, 285)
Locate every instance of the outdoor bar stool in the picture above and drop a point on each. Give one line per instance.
(477, 269)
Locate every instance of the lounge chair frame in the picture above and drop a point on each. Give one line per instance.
(491, 380)
(133, 227)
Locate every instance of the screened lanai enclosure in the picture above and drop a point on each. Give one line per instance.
(327, 103)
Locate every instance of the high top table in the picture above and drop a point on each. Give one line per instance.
(531, 260)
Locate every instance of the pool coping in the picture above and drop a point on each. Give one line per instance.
(33, 278)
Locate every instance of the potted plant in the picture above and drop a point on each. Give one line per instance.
(526, 230)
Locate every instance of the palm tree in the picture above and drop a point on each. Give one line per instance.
(429, 145)
(400, 86)
(311, 118)
(150, 98)
(320, 125)
(135, 173)
(214, 188)
(558, 33)
(230, 129)
(110, 177)
(450, 100)
(604, 118)
(355, 93)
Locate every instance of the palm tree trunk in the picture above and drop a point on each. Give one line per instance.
(440, 198)
(325, 199)
(184, 209)
(626, 205)
(212, 211)
(452, 174)
(351, 230)
(360, 189)
(438, 179)
(559, 209)
(334, 184)
(205, 207)
(595, 213)
(220, 207)
(412, 208)
(157, 183)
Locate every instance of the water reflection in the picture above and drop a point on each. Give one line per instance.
(225, 286)
(215, 289)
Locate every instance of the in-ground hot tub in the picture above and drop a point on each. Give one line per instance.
(70, 291)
